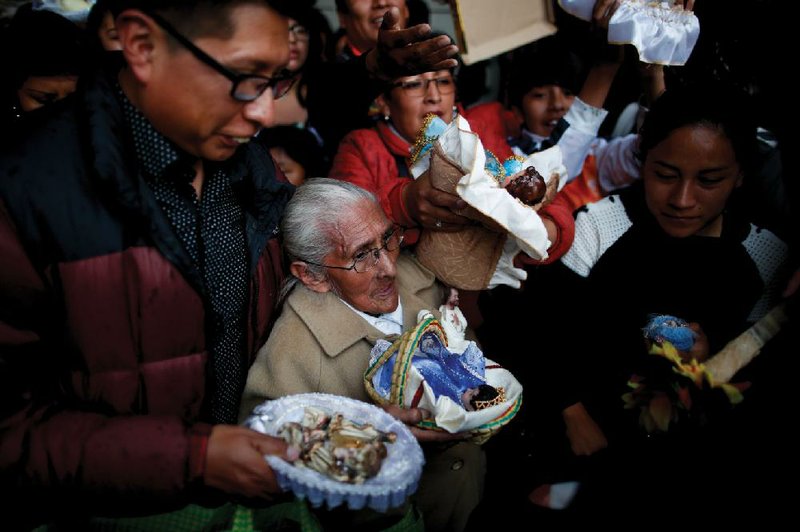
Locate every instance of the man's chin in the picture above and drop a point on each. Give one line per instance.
(218, 153)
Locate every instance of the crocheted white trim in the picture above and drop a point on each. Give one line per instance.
(596, 229)
(769, 254)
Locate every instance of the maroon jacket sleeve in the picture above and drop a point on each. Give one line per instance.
(46, 442)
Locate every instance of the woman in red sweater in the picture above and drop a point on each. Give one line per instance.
(377, 159)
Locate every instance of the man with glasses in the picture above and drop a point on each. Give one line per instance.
(140, 267)
(349, 286)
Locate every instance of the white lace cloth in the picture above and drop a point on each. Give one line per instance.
(399, 474)
(662, 34)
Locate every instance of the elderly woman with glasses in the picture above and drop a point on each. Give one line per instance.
(349, 286)
(377, 158)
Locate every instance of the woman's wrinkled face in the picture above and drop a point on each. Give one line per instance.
(688, 178)
(413, 97)
(373, 291)
(38, 91)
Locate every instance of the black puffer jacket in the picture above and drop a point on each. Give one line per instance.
(103, 356)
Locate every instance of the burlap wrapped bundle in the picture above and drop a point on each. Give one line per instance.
(480, 256)
(465, 259)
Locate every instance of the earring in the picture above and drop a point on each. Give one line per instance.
(385, 118)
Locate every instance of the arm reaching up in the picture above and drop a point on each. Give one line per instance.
(403, 52)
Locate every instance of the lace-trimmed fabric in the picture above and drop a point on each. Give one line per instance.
(769, 255)
(597, 227)
(663, 33)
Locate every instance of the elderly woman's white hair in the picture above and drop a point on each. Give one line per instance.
(311, 218)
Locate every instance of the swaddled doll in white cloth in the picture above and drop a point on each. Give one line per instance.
(484, 186)
(663, 32)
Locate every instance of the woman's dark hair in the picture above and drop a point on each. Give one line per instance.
(709, 104)
(319, 34)
(300, 144)
(96, 13)
(95, 21)
(41, 43)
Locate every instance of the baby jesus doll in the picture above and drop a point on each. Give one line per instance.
(434, 366)
(503, 198)
(472, 391)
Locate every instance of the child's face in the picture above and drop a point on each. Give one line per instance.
(542, 107)
(293, 170)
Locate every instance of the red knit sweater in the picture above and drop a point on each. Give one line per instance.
(368, 158)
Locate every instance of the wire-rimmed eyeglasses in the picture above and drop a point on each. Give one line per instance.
(246, 87)
(365, 260)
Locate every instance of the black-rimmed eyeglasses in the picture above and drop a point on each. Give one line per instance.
(364, 261)
(246, 87)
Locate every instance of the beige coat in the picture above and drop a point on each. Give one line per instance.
(320, 345)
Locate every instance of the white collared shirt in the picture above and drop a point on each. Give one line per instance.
(389, 323)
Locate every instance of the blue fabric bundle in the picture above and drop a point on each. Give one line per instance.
(446, 373)
(674, 330)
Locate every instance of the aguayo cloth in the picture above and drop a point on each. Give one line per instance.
(446, 374)
(418, 371)
(663, 33)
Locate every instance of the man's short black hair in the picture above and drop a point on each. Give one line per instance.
(195, 18)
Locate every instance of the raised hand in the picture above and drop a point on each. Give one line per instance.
(404, 52)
